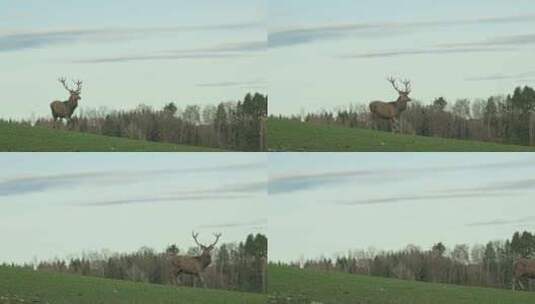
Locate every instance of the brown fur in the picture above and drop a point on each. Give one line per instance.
(193, 265)
(65, 109)
(391, 110)
(523, 268)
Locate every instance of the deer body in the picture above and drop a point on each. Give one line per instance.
(523, 268)
(193, 265)
(388, 110)
(392, 110)
(65, 109)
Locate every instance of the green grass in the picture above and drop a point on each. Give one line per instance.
(341, 288)
(21, 138)
(285, 135)
(53, 288)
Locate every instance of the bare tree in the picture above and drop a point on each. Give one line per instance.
(523, 269)
(392, 110)
(64, 109)
(194, 265)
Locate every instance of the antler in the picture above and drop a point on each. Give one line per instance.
(195, 235)
(407, 84)
(78, 86)
(392, 80)
(217, 236)
(63, 80)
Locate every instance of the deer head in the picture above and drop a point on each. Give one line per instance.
(75, 93)
(403, 94)
(206, 249)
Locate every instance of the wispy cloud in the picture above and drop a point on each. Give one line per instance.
(161, 57)
(22, 40)
(164, 199)
(415, 198)
(242, 46)
(303, 35)
(223, 192)
(243, 187)
(23, 185)
(298, 182)
(518, 76)
(225, 51)
(40, 183)
(430, 51)
(502, 189)
(518, 185)
(254, 83)
(238, 190)
(510, 40)
(254, 223)
(501, 222)
(260, 186)
(286, 183)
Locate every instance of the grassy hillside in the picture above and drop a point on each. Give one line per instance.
(284, 135)
(14, 137)
(23, 286)
(341, 288)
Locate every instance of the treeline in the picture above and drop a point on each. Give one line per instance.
(489, 265)
(234, 266)
(229, 125)
(504, 119)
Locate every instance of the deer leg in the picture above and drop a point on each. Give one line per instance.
(520, 284)
(514, 283)
(395, 125)
(376, 122)
(201, 280)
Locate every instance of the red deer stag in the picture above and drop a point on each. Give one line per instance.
(64, 109)
(392, 110)
(194, 265)
(523, 269)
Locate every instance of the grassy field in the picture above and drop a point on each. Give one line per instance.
(24, 286)
(306, 286)
(19, 138)
(285, 135)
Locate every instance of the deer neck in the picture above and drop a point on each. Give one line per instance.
(205, 259)
(73, 103)
(400, 106)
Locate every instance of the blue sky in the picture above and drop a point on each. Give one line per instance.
(321, 55)
(308, 204)
(57, 205)
(330, 54)
(127, 53)
(323, 204)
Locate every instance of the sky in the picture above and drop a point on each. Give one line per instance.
(308, 204)
(326, 204)
(330, 54)
(306, 55)
(128, 53)
(62, 205)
